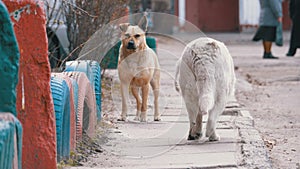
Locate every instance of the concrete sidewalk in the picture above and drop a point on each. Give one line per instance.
(164, 144)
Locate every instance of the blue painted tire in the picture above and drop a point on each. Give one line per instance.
(92, 70)
(96, 70)
(6, 144)
(60, 94)
(80, 66)
(19, 131)
(10, 127)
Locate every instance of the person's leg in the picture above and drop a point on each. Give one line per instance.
(292, 48)
(267, 50)
(267, 46)
(291, 51)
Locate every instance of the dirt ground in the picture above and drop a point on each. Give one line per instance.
(272, 95)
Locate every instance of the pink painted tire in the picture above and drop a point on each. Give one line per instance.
(86, 108)
(72, 109)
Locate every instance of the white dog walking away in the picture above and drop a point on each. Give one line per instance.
(206, 80)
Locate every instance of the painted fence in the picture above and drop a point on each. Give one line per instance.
(10, 127)
(54, 111)
(34, 101)
(9, 63)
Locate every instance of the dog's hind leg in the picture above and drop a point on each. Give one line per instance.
(191, 101)
(145, 92)
(135, 92)
(212, 119)
(192, 118)
(196, 130)
(206, 102)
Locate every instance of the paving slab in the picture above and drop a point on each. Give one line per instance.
(201, 160)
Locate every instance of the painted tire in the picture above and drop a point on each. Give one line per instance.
(10, 159)
(93, 72)
(69, 82)
(86, 118)
(96, 70)
(80, 66)
(75, 90)
(6, 144)
(61, 100)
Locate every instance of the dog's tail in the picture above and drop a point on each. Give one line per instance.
(176, 83)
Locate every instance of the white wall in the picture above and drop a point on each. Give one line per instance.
(249, 12)
(181, 11)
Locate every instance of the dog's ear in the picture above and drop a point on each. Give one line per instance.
(143, 23)
(124, 26)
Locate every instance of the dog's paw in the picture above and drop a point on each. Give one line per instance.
(195, 137)
(157, 119)
(137, 118)
(143, 119)
(122, 118)
(214, 137)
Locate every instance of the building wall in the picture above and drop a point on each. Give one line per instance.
(224, 16)
(286, 19)
(215, 16)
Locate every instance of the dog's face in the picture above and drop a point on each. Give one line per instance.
(133, 37)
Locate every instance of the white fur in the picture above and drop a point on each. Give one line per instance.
(206, 79)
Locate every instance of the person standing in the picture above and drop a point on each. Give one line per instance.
(269, 18)
(294, 12)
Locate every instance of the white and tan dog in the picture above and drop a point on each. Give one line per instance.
(138, 68)
(206, 80)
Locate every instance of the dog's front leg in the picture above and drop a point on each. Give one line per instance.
(125, 99)
(145, 92)
(155, 87)
(135, 92)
